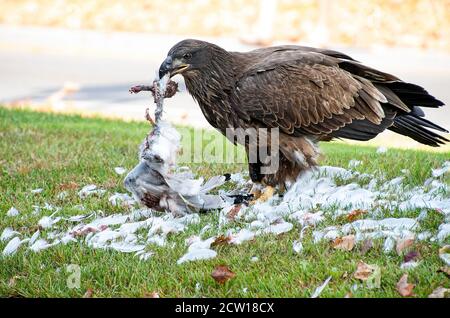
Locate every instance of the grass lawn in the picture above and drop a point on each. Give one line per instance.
(52, 151)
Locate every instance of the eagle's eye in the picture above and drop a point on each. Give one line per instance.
(187, 56)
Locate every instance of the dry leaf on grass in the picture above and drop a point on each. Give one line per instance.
(222, 273)
(439, 292)
(345, 243)
(404, 288)
(445, 270)
(221, 240)
(444, 249)
(353, 215)
(68, 186)
(371, 274)
(88, 294)
(411, 256)
(151, 295)
(403, 244)
(363, 271)
(366, 246)
(234, 211)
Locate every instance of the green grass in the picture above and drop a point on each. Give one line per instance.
(48, 151)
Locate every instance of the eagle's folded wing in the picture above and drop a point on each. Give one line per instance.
(307, 92)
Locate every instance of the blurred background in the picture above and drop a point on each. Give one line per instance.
(82, 56)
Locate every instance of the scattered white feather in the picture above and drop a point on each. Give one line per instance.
(35, 191)
(145, 256)
(279, 228)
(62, 195)
(120, 170)
(12, 212)
(129, 228)
(114, 219)
(125, 247)
(297, 246)
(12, 246)
(238, 178)
(47, 222)
(200, 244)
(354, 163)
(34, 237)
(319, 289)
(121, 199)
(242, 236)
(436, 173)
(42, 244)
(197, 254)
(409, 265)
(158, 240)
(78, 218)
(89, 190)
(381, 150)
(444, 232)
(8, 233)
(67, 238)
(446, 258)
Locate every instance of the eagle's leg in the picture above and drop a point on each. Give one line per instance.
(267, 193)
(256, 190)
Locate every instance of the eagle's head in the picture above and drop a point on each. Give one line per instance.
(190, 56)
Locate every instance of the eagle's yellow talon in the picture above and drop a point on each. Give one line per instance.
(267, 193)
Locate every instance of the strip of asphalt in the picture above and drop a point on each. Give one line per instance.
(90, 71)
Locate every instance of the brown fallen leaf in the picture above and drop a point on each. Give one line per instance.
(404, 288)
(12, 281)
(234, 211)
(403, 244)
(363, 271)
(348, 295)
(366, 246)
(88, 294)
(353, 215)
(222, 273)
(445, 270)
(411, 256)
(68, 186)
(151, 295)
(221, 240)
(344, 243)
(439, 292)
(444, 249)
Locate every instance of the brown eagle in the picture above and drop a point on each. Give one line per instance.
(309, 94)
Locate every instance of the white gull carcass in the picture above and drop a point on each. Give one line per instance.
(154, 182)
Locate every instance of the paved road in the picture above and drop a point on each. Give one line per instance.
(35, 63)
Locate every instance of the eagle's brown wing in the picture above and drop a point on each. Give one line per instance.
(307, 92)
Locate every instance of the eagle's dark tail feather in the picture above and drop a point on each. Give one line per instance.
(415, 128)
(413, 124)
(413, 95)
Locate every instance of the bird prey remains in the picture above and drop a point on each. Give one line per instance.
(308, 94)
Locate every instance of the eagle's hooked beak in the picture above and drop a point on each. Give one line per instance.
(172, 66)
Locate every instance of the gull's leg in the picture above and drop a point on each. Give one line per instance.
(140, 88)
